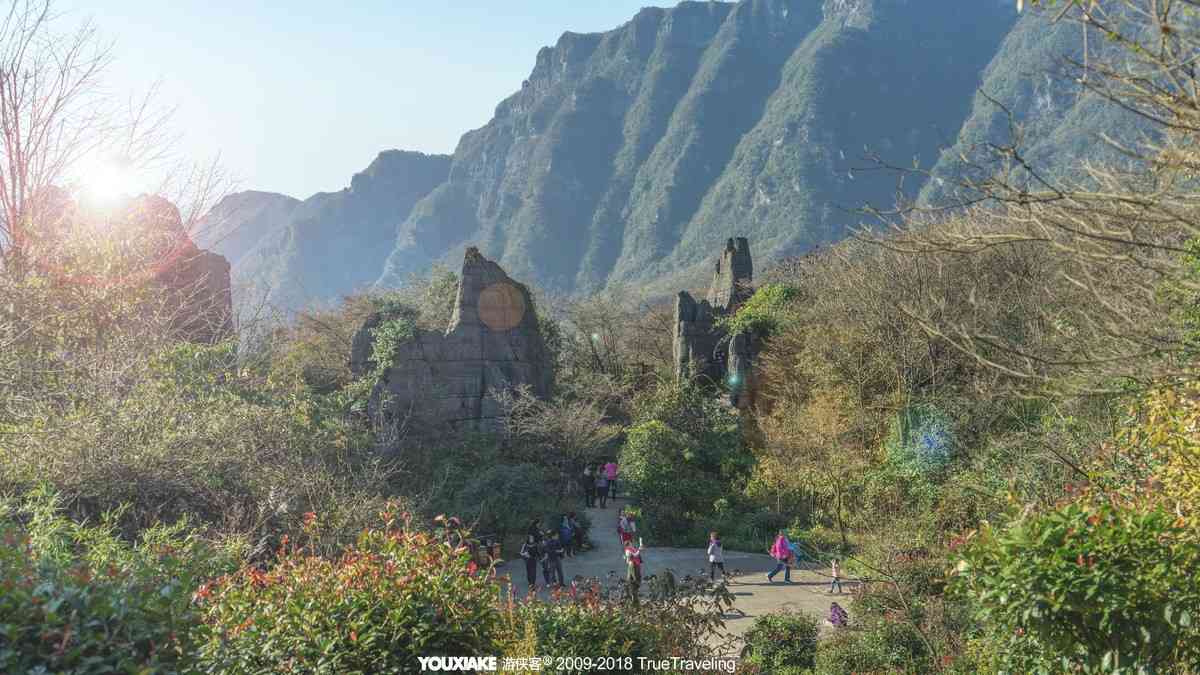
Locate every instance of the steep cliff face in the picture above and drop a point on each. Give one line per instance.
(290, 253)
(629, 155)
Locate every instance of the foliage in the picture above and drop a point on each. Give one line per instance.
(395, 595)
(1167, 437)
(76, 598)
(783, 642)
(682, 454)
(921, 439)
(882, 647)
(764, 313)
(1094, 584)
(502, 499)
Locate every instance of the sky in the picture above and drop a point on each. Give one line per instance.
(296, 96)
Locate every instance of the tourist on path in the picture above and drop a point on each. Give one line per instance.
(610, 472)
(602, 489)
(577, 532)
(633, 576)
(566, 535)
(781, 551)
(626, 527)
(552, 568)
(835, 571)
(588, 482)
(716, 557)
(837, 616)
(531, 553)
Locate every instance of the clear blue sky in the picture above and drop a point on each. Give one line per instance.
(298, 95)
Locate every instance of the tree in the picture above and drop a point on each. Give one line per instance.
(1119, 236)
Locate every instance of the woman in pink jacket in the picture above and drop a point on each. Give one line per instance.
(781, 551)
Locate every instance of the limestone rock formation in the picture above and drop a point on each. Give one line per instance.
(491, 344)
(701, 348)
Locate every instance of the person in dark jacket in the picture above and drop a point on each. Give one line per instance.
(531, 553)
(588, 482)
(566, 536)
(552, 568)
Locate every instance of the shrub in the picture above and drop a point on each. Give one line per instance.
(506, 498)
(396, 595)
(782, 642)
(585, 621)
(75, 598)
(1092, 585)
(921, 440)
(763, 313)
(882, 647)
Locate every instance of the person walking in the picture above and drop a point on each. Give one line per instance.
(588, 482)
(626, 527)
(531, 553)
(577, 533)
(566, 535)
(716, 557)
(602, 489)
(610, 472)
(781, 551)
(552, 568)
(633, 572)
(835, 571)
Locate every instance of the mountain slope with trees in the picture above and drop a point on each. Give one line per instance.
(630, 155)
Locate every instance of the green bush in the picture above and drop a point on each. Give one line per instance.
(782, 642)
(75, 598)
(396, 595)
(502, 499)
(882, 647)
(1092, 585)
(683, 453)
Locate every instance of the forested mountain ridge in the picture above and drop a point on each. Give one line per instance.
(629, 155)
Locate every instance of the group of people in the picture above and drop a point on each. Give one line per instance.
(599, 482)
(549, 548)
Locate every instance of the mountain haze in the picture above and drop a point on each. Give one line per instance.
(300, 252)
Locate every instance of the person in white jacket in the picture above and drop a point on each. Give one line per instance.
(716, 557)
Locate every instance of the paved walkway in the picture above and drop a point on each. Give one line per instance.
(809, 590)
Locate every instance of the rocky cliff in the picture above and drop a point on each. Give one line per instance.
(626, 155)
(491, 344)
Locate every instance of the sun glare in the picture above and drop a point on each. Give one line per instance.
(107, 181)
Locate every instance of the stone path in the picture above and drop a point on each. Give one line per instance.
(809, 590)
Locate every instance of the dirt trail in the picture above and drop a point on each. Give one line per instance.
(809, 590)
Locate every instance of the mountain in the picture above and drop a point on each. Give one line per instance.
(240, 221)
(1059, 122)
(289, 254)
(630, 155)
